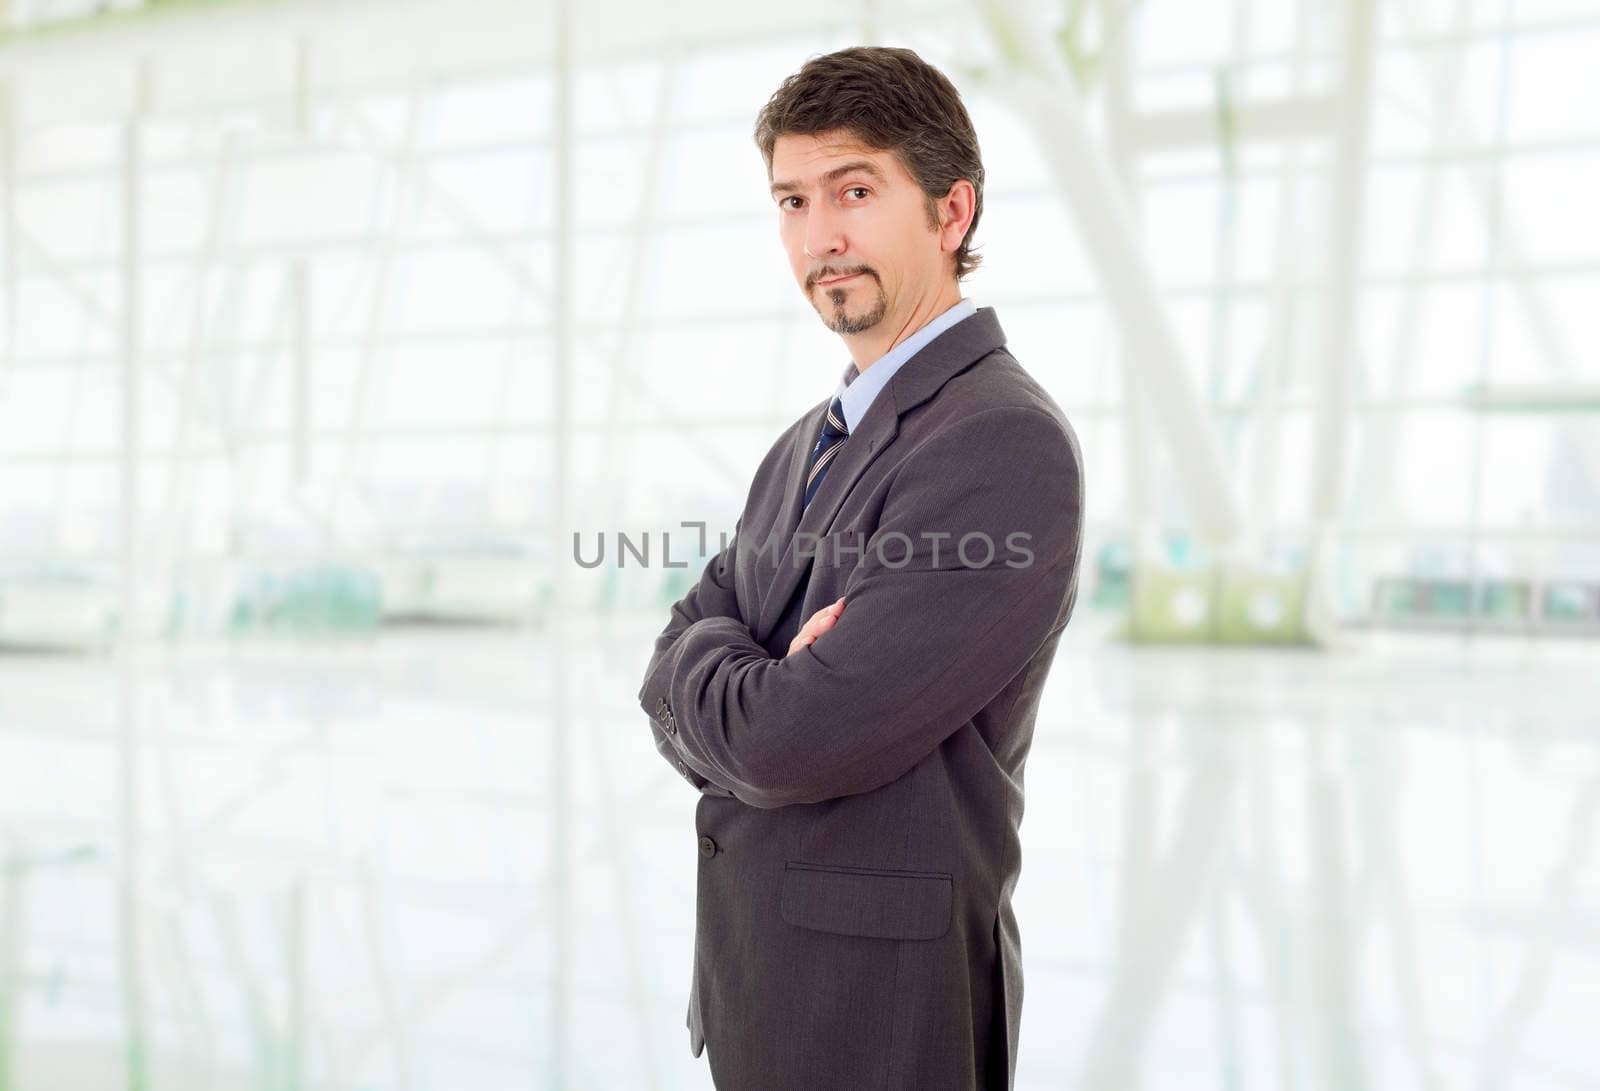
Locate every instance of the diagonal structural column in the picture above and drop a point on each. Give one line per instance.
(1037, 82)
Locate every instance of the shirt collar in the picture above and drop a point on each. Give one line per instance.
(857, 390)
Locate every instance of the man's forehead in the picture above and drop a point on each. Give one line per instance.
(841, 141)
(801, 158)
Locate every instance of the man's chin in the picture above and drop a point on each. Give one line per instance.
(848, 324)
(845, 322)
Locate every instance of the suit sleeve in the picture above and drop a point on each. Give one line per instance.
(964, 578)
(714, 596)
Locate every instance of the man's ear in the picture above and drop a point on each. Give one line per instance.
(955, 210)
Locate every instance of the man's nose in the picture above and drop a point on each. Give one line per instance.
(823, 235)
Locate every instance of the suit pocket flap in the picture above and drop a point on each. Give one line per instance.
(873, 902)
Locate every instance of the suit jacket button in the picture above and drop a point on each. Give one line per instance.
(661, 706)
(708, 847)
(670, 724)
(684, 769)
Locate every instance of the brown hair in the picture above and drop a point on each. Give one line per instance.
(889, 99)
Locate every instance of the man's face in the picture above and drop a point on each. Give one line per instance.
(857, 229)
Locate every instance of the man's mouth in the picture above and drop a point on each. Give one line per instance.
(837, 280)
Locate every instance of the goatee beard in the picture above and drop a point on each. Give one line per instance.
(840, 322)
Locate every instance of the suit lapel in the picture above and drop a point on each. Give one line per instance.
(917, 380)
(799, 456)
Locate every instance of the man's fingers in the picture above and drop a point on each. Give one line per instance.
(824, 617)
(827, 612)
(814, 628)
(819, 623)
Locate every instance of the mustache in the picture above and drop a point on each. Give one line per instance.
(834, 274)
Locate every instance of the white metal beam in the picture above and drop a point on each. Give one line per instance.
(300, 292)
(1117, 104)
(8, 233)
(1343, 314)
(130, 916)
(1291, 118)
(563, 359)
(1277, 344)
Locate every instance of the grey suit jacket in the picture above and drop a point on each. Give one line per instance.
(861, 799)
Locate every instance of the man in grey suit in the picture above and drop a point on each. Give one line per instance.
(852, 685)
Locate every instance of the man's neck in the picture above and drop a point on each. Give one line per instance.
(870, 346)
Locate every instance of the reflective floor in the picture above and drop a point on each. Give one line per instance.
(452, 859)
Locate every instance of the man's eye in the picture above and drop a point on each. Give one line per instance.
(857, 189)
(785, 202)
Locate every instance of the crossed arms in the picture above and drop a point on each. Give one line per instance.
(713, 596)
(931, 633)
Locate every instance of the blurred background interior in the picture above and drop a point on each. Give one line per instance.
(325, 328)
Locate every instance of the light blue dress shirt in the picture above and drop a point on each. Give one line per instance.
(857, 389)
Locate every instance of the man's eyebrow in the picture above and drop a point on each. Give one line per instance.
(858, 166)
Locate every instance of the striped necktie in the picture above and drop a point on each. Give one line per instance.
(834, 433)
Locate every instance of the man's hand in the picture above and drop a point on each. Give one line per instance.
(820, 622)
